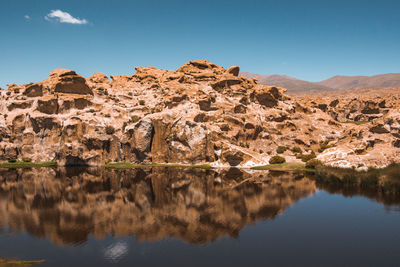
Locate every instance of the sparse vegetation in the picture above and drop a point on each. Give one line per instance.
(16, 263)
(306, 157)
(281, 149)
(313, 163)
(277, 160)
(323, 145)
(296, 149)
(357, 122)
(22, 164)
(283, 167)
(386, 181)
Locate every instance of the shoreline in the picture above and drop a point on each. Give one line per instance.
(288, 166)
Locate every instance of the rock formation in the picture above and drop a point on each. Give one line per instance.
(201, 113)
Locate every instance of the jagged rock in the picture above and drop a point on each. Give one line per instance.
(48, 105)
(205, 104)
(233, 157)
(264, 97)
(197, 66)
(33, 90)
(226, 81)
(396, 143)
(379, 129)
(68, 82)
(143, 134)
(234, 70)
(99, 78)
(19, 105)
(74, 102)
(240, 109)
(334, 103)
(201, 117)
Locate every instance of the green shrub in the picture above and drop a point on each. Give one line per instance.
(307, 157)
(313, 163)
(277, 160)
(141, 102)
(296, 149)
(323, 145)
(281, 149)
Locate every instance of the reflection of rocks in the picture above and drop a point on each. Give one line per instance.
(381, 185)
(197, 206)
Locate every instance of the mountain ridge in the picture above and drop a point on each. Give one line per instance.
(337, 82)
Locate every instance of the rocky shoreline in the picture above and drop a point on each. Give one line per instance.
(199, 114)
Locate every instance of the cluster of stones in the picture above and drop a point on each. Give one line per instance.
(200, 113)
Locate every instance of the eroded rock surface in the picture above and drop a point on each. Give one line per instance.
(201, 113)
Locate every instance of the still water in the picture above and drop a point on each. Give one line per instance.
(192, 217)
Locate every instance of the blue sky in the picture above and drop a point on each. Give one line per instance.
(310, 40)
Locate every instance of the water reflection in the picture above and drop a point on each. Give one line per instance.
(116, 251)
(194, 205)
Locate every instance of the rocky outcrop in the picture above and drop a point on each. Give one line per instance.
(201, 113)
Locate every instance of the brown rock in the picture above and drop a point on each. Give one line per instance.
(68, 82)
(233, 157)
(396, 143)
(33, 90)
(201, 117)
(264, 97)
(226, 82)
(205, 104)
(48, 105)
(99, 78)
(240, 109)
(19, 105)
(378, 129)
(196, 66)
(234, 70)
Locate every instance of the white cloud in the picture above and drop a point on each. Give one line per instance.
(27, 17)
(64, 17)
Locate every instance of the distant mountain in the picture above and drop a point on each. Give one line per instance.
(292, 84)
(335, 83)
(359, 82)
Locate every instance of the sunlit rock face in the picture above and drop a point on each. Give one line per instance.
(200, 113)
(196, 206)
(370, 126)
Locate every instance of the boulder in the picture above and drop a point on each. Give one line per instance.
(33, 90)
(19, 105)
(99, 78)
(48, 105)
(234, 70)
(264, 97)
(68, 82)
(379, 129)
(240, 109)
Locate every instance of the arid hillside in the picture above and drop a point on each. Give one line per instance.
(297, 86)
(293, 85)
(360, 82)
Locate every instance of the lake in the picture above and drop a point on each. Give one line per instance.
(193, 217)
